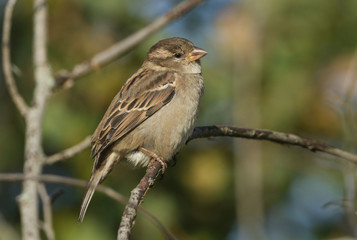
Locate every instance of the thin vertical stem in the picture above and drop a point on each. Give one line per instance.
(6, 59)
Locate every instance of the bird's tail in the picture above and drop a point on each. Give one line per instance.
(98, 175)
(93, 183)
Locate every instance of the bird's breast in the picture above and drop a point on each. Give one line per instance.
(170, 127)
(167, 130)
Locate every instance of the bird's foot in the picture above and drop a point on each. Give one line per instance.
(155, 157)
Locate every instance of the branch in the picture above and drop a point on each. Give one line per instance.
(69, 152)
(231, 131)
(277, 137)
(34, 156)
(6, 59)
(47, 212)
(11, 177)
(221, 131)
(136, 197)
(154, 167)
(64, 77)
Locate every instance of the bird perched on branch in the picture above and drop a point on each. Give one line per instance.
(153, 114)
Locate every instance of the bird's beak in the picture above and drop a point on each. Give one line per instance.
(196, 54)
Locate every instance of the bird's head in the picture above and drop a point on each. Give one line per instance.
(177, 54)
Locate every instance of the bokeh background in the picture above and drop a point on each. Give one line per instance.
(277, 64)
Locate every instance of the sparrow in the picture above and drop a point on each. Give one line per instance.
(153, 114)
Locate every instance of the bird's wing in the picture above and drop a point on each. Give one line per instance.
(141, 96)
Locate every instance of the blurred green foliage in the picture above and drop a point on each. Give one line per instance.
(305, 51)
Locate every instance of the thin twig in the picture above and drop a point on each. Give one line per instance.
(55, 195)
(11, 177)
(136, 197)
(273, 136)
(6, 59)
(47, 212)
(69, 152)
(123, 46)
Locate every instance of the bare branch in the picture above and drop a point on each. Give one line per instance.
(278, 137)
(231, 131)
(6, 59)
(123, 46)
(69, 152)
(11, 177)
(152, 172)
(136, 197)
(47, 212)
(34, 156)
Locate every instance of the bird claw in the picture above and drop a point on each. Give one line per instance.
(155, 157)
(163, 165)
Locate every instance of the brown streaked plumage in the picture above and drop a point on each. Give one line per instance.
(153, 114)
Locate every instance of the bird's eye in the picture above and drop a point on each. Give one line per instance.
(177, 55)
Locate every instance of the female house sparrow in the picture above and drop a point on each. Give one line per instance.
(153, 114)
